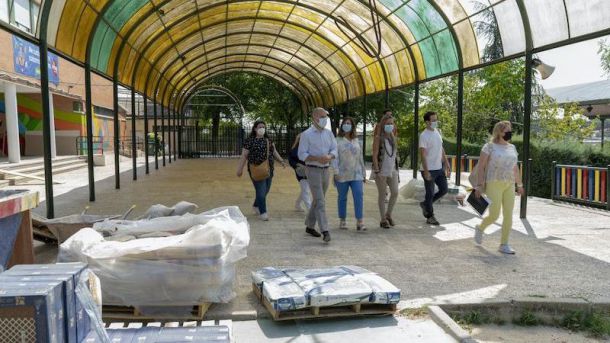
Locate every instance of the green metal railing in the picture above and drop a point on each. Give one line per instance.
(98, 145)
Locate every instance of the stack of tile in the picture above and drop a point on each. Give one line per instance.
(38, 303)
(294, 288)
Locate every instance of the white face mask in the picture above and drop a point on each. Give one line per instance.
(434, 124)
(388, 128)
(347, 128)
(260, 131)
(323, 121)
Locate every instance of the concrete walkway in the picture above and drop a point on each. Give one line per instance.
(562, 250)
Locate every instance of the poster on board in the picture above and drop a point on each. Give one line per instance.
(26, 58)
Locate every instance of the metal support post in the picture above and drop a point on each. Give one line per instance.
(89, 113)
(117, 133)
(145, 101)
(46, 126)
(415, 143)
(527, 113)
(134, 150)
(460, 119)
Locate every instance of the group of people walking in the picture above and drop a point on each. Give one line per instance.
(317, 154)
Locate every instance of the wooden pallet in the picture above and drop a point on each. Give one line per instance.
(129, 313)
(315, 312)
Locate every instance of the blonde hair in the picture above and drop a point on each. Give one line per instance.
(498, 130)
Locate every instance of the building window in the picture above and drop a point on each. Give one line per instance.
(20, 13)
(4, 10)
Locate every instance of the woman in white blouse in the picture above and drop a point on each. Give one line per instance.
(349, 173)
(499, 172)
(385, 167)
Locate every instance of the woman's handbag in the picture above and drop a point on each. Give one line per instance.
(260, 172)
(473, 178)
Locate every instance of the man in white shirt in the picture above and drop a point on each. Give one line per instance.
(318, 147)
(432, 159)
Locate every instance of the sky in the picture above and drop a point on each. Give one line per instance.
(574, 64)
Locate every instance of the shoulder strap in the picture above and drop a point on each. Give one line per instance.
(267, 156)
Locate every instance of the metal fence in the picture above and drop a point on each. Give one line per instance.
(203, 142)
(98, 145)
(584, 185)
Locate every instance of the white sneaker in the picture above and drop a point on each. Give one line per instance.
(342, 225)
(256, 210)
(298, 208)
(264, 217)
(506, 249)
(478, 235)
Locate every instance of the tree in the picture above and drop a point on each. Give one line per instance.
(604, 54)
(553, 122)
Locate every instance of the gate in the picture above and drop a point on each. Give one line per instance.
(203, 142)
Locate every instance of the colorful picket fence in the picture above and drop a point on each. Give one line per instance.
(581, 184)
(467, 163)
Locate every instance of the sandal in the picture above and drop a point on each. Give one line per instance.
(384, 224)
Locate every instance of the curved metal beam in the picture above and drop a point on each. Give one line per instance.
(229, 70)
(172, 61)
(196, 68)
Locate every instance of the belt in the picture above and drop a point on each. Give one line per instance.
(312, 166)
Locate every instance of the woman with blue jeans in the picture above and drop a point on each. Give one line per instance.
(257, 148)
(349, 173)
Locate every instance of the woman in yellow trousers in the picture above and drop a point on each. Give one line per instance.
(498, 171)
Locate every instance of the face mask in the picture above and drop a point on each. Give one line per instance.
(434, 124)
(261, 131)
(346, 128)
(323, 121)
(388, 128)
(507, 136)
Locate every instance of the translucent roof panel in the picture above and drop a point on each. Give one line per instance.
(327, 50)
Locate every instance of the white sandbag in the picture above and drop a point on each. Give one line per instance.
(183, 207)
(185, 269)
(156, 211)
(173, 224)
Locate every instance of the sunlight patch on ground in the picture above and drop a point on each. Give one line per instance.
(489, 292)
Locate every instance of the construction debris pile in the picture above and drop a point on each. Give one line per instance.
(180, 260)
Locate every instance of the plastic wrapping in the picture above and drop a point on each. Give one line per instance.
(172, 224)
(296, 288)
(158, 210)
(183, 270)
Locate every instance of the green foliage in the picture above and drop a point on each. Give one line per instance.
(554, 122)
(604, 54)
(527, 318)
(597, 324)
(262, 98)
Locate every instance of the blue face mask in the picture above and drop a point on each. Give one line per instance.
(346, 128)
(389, 128)
(323, 121)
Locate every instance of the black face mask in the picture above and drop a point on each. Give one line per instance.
(507, 136)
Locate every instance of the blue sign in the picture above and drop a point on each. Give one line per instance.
(26, 57)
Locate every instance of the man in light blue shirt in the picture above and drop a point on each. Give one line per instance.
(318, 147)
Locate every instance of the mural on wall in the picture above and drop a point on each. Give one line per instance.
(30, 119)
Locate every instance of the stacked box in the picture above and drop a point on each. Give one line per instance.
(75, 271)
(31, 312)
(295, 288)
(67, 285)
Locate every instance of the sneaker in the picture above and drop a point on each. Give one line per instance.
(506, 249)
(360, 227)
(432, 221)
(255, 210)
(423, 210)
(342, 225)
(264, 217)
(326, 236)
(312, 232)
(478, 235)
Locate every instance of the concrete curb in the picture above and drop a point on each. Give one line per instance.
(449, 325)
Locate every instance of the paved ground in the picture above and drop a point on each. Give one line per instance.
(562, 250)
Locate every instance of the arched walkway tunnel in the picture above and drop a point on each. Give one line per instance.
(328, 53)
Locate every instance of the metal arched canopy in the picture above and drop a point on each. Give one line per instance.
(358, 37)
(217, 88)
